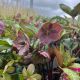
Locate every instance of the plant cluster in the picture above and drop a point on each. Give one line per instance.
(27, 42)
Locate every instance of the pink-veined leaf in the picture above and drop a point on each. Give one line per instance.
(71, 74)
(45, 54)
(21, 43)
(75, 67)
(50, 32)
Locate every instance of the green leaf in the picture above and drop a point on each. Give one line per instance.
(76, 10)
(9, 64)
(78, 21)
(74, 45)
(30, 30)
(17, 26)
(62, 49)
(68, 42)
(36, 43)
(3, 47)
(21, 77)
(59, 19)
(9, 22)
(31, 69)
(75, 65)
(10, 69)
(66, 58)
(36, 76)
(63, 33)
(24, 72)
(15, 76)
(1, 75)
(17, 57)
(4, 42)
(1, 72)
(32, 26)
(72, 59)
(66, 8)
(72, 75)
(6, 76)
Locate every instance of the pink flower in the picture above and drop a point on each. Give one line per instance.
(21, 43)
(50, 32)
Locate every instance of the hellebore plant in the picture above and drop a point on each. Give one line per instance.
(21, 43)
(24, 44)
(50, 32)
(34, 48)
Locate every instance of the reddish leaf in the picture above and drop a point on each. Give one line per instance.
(75, 69)
(45, 54)
(50, 32)
(21, 43)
